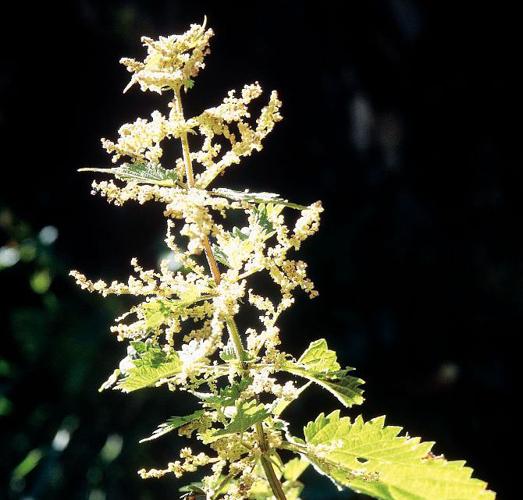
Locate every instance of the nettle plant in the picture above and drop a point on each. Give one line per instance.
(182, 333)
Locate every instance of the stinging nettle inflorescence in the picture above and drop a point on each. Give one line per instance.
(182, 333)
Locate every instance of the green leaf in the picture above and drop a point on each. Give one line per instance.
(218, 484)
(157, 312)
(113, 378)
(220, 255)
(227, 396)
(188, 84)
(319, 364)
(262, 217)
(248, 414)
(172, 424)
(141, 172)
(228, 353)
(255, 197)
(372, 458)
(152, 365)
(319, 358)
(195, 487)
(294, 468)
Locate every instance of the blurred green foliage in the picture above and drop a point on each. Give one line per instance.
(60, 438)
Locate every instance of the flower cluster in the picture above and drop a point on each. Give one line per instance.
(171, 61)
(176, 330)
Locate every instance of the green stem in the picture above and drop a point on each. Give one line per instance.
(234, 334)
(190, 183)
(274, 482)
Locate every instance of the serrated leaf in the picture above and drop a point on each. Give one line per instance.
(255, 197)
(372, 458)
(247, 414)
(141, 172)
(151, 366)
(227, 396)
(172, 424)
(319, 364)
(228, 353)
(319, 358)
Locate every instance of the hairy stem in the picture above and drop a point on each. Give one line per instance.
(274, 482)
(234, 335)
(236, 341)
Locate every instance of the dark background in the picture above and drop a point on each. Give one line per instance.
(404, 117)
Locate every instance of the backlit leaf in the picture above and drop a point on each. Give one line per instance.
(319, 364)
(372, 458)
(172, 424)
(152, 365)
(141, 172)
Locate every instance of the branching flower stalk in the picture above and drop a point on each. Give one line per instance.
(234, 335)
(241, 381)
